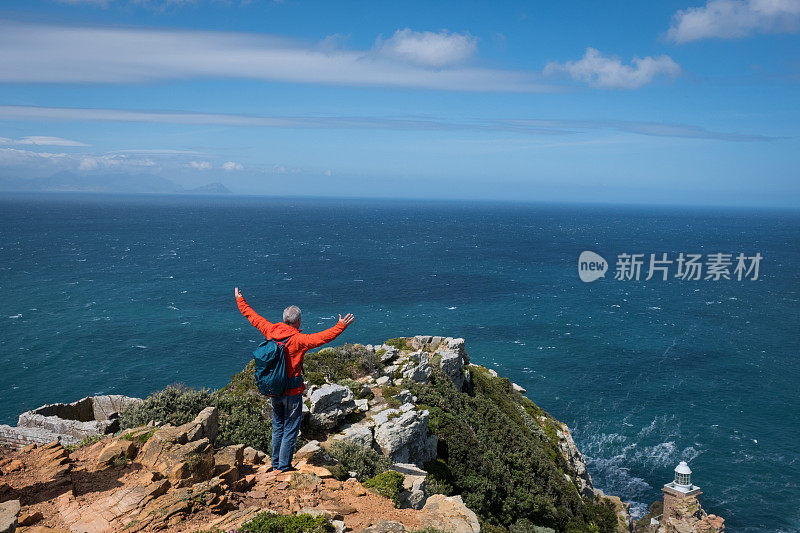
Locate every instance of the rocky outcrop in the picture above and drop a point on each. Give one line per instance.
(329, 405)
(67, 423)
(687, 516)
(402, 435)
(413, 495)
(449, 514)
(575, 459)
(9, 513)
(184, 454)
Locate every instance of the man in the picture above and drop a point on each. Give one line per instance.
(287, 409)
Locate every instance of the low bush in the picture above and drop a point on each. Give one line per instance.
(350, 361)
(85, 441)
(439, 479)
(503, 464)
(388, 484)
(175, 405)
(351, 457)
(401, 343)
(276, 523)
(244, 414)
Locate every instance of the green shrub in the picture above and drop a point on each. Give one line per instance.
(401, 343)
(243, 419)
(388, 484)
(350, 361)
(439, 479)
(244, 414)
(315, 378)
(276, 523)
(351, 457)
(502, 463)
(174, 405)
(85, 441)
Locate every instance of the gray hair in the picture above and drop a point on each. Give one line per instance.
(291, 315)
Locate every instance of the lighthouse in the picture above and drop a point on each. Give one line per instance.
(681, 488)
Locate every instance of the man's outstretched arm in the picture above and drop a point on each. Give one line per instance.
(318, 339)
(262, 324)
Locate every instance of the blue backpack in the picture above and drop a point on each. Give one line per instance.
(270, 357)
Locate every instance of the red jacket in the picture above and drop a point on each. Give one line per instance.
(297, 346)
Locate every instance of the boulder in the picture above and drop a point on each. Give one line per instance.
(413, 495)
(362, 404)
(452, 364)
(420, 372)
(115, 451)
(71, 422)
(448, 513)
(360, 434)
(253, 456)
(403, 436)
(329, 404)
(308, 451)
(390, 354)
(228, 462)
(385, 526)
(9, 512)
(184, 454)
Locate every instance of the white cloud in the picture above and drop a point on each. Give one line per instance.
(731, 19)
(199, 165)
(520, 125)
(428, 49)
(35, 53)
(41, 141)
(609, 72)
(48, 141)
(232, 165)
(112, 161)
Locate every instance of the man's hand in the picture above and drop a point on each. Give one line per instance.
(348, 319)
(238, 293)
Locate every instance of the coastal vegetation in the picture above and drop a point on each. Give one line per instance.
(496, 448)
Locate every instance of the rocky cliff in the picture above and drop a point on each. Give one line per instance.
(400, 436)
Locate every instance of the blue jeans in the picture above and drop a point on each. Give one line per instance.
(287, 412)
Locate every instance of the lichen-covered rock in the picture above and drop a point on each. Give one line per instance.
(575, 459)
(308, 451)
(360, 434)
(421, 371)
(448, 513)
(330, 404)
(385, 526)
(71, 422)
(402, 435)
(413, 495)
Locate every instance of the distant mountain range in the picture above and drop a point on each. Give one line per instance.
(112, 183)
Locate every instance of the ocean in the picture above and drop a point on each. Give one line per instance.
(127, 294)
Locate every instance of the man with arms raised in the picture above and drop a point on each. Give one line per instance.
(287, 408)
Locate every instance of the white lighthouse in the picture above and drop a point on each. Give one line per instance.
(680, 488)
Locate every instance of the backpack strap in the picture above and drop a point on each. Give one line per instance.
(298, 380)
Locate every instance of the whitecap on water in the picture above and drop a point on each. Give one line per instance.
(451, 308)
(15, 316)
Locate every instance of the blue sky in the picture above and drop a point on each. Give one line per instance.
(691, 102)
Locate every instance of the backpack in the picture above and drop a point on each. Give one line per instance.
(270, 359)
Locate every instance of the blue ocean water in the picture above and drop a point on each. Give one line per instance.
(127, 294)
